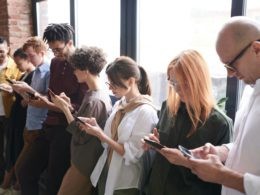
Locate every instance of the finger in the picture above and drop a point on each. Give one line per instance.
(155, 132)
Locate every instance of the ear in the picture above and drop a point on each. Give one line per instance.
(256, 47)
(131, 80)
(70, 43)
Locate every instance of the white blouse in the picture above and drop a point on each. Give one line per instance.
(124, 171)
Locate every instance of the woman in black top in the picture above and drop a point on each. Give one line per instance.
(189, 118)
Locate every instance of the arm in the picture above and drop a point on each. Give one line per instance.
(212, 170)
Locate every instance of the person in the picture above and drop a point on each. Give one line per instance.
(15, 127)
(236, 165)
(8, 70)
(36, 49)
(118, 170)
(52, 147)
(88, 62)
(188, 118)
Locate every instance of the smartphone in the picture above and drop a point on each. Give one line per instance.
(31, 95)
(9, 81)
(78, 119)
(51, 92)
(185, 152)
(154, 144)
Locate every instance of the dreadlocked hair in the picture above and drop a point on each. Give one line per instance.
(58, 32)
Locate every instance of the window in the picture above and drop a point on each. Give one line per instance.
(167, 28)
(47, 13)
(98, 24)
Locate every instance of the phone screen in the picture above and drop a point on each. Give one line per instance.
(154, 144)
(185, 152)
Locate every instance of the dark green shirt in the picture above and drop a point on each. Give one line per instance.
(169, 179)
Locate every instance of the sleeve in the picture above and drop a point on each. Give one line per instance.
(145, 121)
(47, 82)
(252, 184)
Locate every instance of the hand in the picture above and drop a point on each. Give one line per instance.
(6, 87)
(90, 126)
(152, 136)
(21, 87)
(174, 156)
(209, 169)
(61, 101)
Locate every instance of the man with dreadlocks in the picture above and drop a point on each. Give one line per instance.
(52, 149)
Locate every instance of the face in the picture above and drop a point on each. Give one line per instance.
(35, 58)
(59, 49)
(242, 65)
(22, 64)
(119, 91)
(174, 83)
(3, 53)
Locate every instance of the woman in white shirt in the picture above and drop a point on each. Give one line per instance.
(118, 170)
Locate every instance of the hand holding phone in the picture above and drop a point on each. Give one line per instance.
(9, 81)
(31, 95)
(51, 93)
(154, 144)
(185, 152)
(77, 119)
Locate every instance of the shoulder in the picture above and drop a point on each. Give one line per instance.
(218, 117)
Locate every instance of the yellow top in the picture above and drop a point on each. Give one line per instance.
(11, 72)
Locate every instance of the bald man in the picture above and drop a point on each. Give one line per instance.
(238, 46)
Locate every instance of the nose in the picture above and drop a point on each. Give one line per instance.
(231, 73)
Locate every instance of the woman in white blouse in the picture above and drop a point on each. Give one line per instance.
(118, 170)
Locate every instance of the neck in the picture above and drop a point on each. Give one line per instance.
(31, 68)
(133, 93)
(93, 83)
(71, 49)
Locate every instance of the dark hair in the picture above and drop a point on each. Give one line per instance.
(20, 53)
(123, 68)
(3, 40)
(58, 32)
(92, 59)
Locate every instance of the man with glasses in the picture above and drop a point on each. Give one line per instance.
(238, 46)
(52, 149)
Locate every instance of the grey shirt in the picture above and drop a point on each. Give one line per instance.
(85, 148)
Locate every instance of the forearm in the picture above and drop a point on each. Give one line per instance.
(68, 114)
(232, 179)
(119, 148)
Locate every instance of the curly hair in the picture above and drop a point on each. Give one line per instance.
(92, 59)
(58, 32)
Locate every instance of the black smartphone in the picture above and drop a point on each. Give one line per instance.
(154, 144)
(77, 119)
(31, 95)
(51, 92)
(185, 152)
(9, 81)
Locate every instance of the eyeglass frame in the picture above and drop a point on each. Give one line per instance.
(58, 50)
(230, 65)
(173, 83)
(110, 85)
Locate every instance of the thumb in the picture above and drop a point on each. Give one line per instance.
(155, 132)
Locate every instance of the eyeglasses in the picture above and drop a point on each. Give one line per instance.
(173, 83)
(110, 85)
(230, 66)
(58, 49)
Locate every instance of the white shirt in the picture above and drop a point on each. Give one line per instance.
(244, 154)
(124, 171)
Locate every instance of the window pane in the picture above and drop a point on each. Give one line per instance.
(98, 24)
(47, 13)
(170, 26)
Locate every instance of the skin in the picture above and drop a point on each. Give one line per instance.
(91, 125)
(4, 49)
(210, 167)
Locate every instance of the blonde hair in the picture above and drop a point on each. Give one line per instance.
(194, 82)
